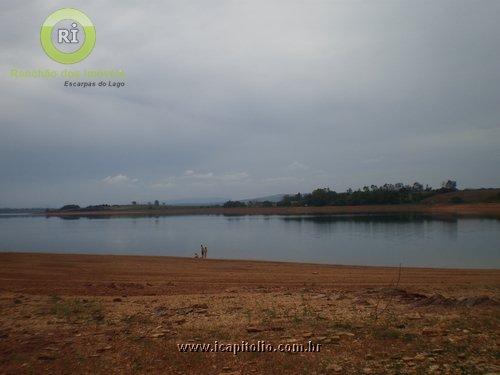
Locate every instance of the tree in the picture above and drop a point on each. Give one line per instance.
(418, 186)
(233, 204)
(286, 201)
(321, 197)
(157, 203)
(449, 185)
(134, 203)
(385, 194)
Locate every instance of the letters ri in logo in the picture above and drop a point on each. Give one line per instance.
(67, 36)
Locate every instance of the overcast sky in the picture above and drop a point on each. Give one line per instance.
(240, 99)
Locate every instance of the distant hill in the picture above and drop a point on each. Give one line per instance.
(271, 198)
(219, 201)
(465, 196)
(196, 201)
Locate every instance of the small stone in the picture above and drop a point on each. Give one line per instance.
(461, 355)
(200, 306)
(419, 357)
(277, 328)
(46, 357)
(104, 348)
(157, 335)
(367, 370)
(429, 332)
(362, 301)
(307, 335)
(433, 368)
(334, 368)
(253, 329)
(415, 316)
(346, 334)
(318, 296)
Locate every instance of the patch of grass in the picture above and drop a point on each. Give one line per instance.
(77, 309)
(309, 313)
(342, 325)
(409, 337)
(296, 319)
(248, 314)
(385, 333)
(136, 365)
(311, 317)
(137, 319)
(269, 314)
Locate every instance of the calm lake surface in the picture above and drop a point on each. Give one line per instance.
(360, 240)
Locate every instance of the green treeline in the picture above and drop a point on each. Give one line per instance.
(386, 194)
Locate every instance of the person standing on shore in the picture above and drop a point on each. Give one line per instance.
(205, 251)
(202, 249)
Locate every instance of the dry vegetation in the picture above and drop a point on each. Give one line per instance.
(117, 314)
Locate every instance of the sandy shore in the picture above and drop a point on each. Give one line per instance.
(471, 209)
(127, 314)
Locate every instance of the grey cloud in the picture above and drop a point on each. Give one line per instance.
(356, 92)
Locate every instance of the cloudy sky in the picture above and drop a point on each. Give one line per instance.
(240, 99)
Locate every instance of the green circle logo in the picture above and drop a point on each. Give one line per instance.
(67, 36)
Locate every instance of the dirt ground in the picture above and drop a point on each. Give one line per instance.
(67, 314)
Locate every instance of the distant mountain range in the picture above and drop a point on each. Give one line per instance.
(196, 201)
(218, 200)
(271, 198)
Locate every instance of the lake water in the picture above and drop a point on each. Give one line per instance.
(360, 240)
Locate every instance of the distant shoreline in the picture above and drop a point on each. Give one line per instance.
(467, 209)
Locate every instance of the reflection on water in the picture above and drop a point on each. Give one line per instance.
(413, 240)
(407, 225)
